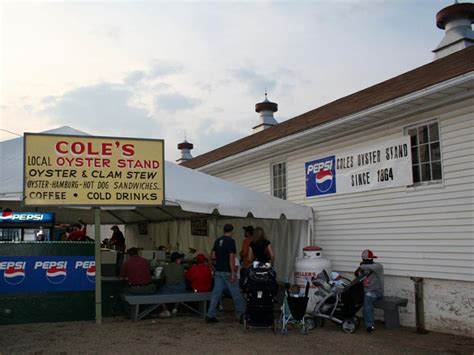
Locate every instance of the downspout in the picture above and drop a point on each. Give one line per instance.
(419, 306)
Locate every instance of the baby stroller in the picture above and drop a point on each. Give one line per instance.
(261, 287)
(293, 310)
(338, 303)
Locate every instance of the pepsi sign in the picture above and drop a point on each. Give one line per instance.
(321, 176)
(47, 273)
(26, 217)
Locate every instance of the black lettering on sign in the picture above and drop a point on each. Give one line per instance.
(396, 151)
(360, 179)
(99, 196)
(148, 175)
(385, 175)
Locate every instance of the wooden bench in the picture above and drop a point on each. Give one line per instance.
(390, 306)
(154, 301)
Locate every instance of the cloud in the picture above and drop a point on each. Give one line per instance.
(113, 32)
(104, 108)
(175, 102)
(255, 82)
(134, 77)
(162, 68)
(158, 69)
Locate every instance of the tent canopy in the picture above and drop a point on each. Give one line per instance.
(188, 193)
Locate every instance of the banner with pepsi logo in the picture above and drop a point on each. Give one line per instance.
(47, 273)
(9, 217)
(374, 166)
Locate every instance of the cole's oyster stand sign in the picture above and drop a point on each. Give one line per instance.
(89, 171)
(374, 166)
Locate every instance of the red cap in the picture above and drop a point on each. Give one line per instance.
(200, 258)
(312, 248)
(368, 254)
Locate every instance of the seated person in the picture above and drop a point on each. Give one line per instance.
(373, 285)
(137, 271)
(78, 232)
(173, 277)
(200, 275)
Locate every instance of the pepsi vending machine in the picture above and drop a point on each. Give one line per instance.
(43, 280)
(26, 226)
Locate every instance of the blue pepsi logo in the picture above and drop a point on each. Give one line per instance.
(321, 177)
(56, 275)
(14, 276)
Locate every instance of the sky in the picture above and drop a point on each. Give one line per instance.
(164, 70)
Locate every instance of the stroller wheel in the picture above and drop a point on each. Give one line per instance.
(320, 322)
(348, 326)
(310, 323)
(357, 321)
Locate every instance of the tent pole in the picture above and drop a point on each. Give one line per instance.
(98, 273)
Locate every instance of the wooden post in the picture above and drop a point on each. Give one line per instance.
(98, 272)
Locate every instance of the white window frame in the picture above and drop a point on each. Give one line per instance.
(272, 187)
(432, 183)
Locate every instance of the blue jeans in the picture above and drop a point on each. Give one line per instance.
(172, 289)
(221, 281)
(369, 298)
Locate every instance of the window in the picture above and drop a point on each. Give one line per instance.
(279, 180)
(425, 152)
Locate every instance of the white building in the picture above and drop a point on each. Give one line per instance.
(421, 229)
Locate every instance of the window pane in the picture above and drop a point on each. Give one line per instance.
(435, 151)
(279, 180)
(423, 134)
(434, 132)
(436, 169)
(414, 136)
(424, 153)
(414, 155)
(425, 172)
(416, 173)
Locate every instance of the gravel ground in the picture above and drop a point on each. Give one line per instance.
(187, 333)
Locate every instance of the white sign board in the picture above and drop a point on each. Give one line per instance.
(375, 166)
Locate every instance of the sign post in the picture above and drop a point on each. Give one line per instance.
(93, 172)
(98, 268)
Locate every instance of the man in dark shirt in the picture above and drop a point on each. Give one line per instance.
(137, 271)
(225, 275)
(117, 240)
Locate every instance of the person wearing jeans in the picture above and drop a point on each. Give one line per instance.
(369, 299)
(373, 285)
(225, 275)
(221, 282)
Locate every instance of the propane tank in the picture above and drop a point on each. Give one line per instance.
(307, 267)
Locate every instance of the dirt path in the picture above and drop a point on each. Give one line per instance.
(189, 334)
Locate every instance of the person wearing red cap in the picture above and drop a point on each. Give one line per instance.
(373, 285)
(78, 232)
(200, 275)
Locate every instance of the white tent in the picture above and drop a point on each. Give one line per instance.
(188, 194)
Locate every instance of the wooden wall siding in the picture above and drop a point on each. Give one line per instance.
(423, 231)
